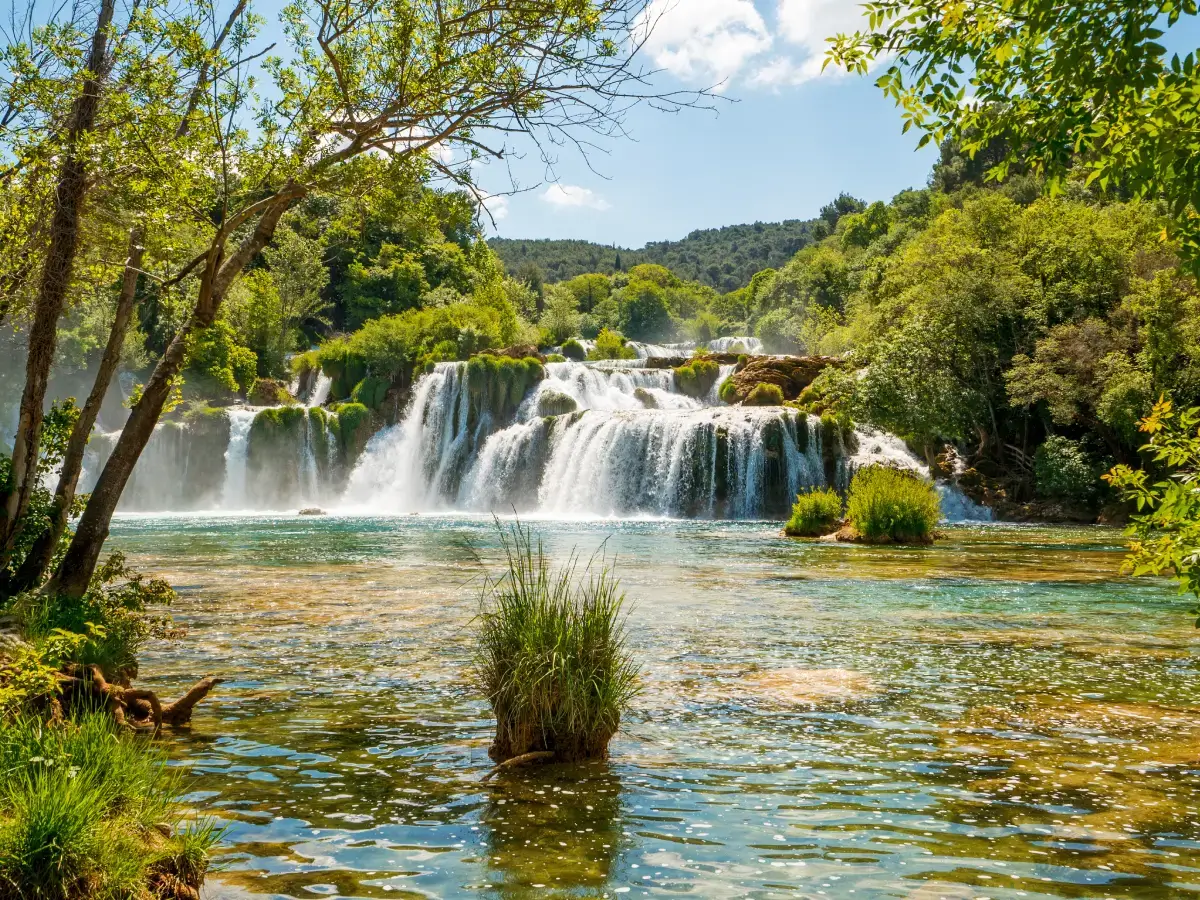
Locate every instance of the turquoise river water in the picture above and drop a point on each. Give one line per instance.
(1001, 715)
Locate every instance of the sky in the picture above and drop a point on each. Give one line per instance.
(784, 140)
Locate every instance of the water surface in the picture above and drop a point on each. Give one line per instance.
(1001, 715)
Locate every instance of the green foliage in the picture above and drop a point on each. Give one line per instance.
(80, 806)
(551, 655)
(728, 391)
(611, 345)
(892, 505)
(697, 377)
(219, 361)
(371, 391)
(644, 314)
(864, 228)
(815, 513)
(29, 671)
(1166, 530)
(723, 258)
(57, 425)
(1063, 470)
(351, 425)
(1084, 87)
(765, 395)
(573, 350)
(560, 317)
(114, 615)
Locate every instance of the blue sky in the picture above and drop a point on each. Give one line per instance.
(791, 140)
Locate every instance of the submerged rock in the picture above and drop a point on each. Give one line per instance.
(555, 403)
(646, 398)
(809, 687)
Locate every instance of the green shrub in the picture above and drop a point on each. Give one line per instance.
(611, 345)
(892, 505)
(214, 355)
(80, 803)
(303, 364)
(764, 394)
(114, 615)
(555, 357)
(815, 513)
(269, 392)
(1063, 470)
(696, 378)
(573, 350)
(728, 392)
(551, 655)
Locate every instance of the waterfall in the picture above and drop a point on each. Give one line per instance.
(320, 391)
(233, 492)
(750, 345)
(634, 446)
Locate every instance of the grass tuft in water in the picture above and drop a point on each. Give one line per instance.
(551, 654)
(890, 505)
(87, 811)
(815, 513)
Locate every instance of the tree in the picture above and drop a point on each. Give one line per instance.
(1050, 85)
(561, 314)
(645, 315)
(1166, 530)
(370, 78)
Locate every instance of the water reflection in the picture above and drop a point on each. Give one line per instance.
(1000, 715)
(555, 829)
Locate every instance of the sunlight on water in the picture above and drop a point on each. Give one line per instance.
(998, 716)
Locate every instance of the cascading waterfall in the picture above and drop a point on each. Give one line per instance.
(233, 492)
(633, 446)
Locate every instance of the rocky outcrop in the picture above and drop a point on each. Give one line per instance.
(517, 351)
(555, 403)
(791, 374)
(269, 392)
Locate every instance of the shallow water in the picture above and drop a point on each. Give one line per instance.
(998, 716)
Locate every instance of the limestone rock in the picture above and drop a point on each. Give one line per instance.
(791, 374)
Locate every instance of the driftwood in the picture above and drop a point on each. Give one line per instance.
(136, 708)
(525, 759)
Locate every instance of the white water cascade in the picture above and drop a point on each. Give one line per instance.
(633, 446)
(233, 492)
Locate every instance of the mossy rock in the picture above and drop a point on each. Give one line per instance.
(371, 392)
(646, 398)
(498, 384)
(765, 395)
(555, 403)
(351, 426)
(573, 350)
(270, 392)
(696, 378)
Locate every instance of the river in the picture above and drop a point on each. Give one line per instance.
(1000, 715)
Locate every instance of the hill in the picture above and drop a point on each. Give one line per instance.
(725, 258)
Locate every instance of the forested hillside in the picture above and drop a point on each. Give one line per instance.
(722, 258)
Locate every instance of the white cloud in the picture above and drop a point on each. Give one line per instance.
(704, 40)
(496, 205)
(570, 196)
(808, 25)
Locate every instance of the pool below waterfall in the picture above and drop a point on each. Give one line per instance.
(1001, 715)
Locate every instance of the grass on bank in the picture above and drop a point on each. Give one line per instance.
(815, 513)
(82, 813)
(888, 505)
(551, 655)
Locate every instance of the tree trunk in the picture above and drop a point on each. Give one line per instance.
(37, 560)
(75, 572)
(52, 291)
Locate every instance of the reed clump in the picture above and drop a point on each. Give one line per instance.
(888, 505)
(551, 656)
(816, 513)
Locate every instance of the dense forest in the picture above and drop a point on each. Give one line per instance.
(722, 258)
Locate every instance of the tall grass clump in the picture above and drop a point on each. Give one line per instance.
(551, 655)
(89, 811)
(888, 505)
(815, 513)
